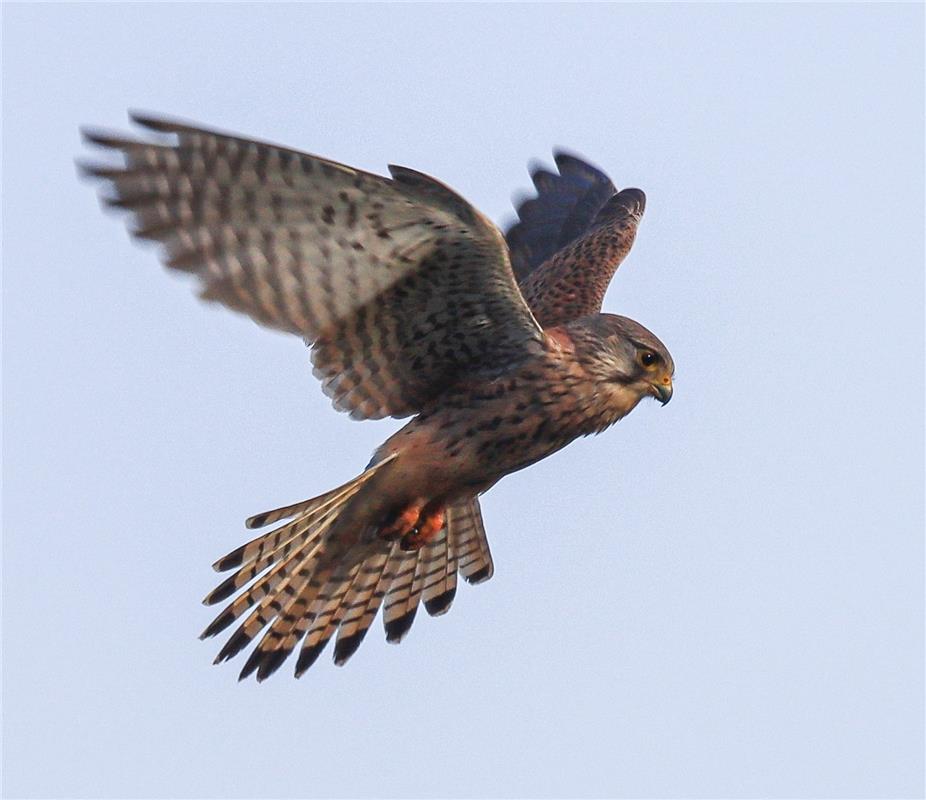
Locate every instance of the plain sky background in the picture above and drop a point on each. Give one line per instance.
(723, 597)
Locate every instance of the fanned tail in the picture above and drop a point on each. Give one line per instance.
(320, 575)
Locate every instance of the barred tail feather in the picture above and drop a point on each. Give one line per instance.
(290, 551)
(313, 606)
(285, 580)
(440, 576)
(315, 603)
(363, 604)
(267, 545)
(401, 604)
(285, 540)
(316, 503)
(470, 543)
(300, 509)
(291, 561)
(320, 576)
(325, 621)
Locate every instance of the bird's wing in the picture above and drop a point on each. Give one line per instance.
(566, 204)
(398, 283)
(570, 238)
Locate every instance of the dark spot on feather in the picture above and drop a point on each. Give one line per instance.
(271, 663)
(440, 604)
(479, 575)
(219, 624)
(236, 643)
(253, 662)
(397, 628)
(234, 558)
(224, 590)
(308, 656)
(346, 646)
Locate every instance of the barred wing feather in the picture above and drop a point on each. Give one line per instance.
(399, 283)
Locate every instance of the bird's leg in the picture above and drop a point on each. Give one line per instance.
(402, 522)
(416, 524)
(426, 528)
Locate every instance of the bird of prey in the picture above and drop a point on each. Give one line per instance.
(414, 304)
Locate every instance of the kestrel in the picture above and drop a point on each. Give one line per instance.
(414, 304)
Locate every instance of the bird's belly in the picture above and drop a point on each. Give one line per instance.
(459, 452)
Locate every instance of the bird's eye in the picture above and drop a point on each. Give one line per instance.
(647, 359)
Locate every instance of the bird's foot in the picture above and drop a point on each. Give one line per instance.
(416, 525)
(401, 523)
(426, 529)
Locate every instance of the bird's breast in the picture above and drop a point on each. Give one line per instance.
(478, 433)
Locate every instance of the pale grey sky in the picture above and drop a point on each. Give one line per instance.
(723, 597)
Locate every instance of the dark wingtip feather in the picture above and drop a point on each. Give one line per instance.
(155, 233)
(230, 561)
(346, 646)
(98, 136)
(163, 124)
(535, 165)
(270, 663)
(543, 179)
(221, 592)
(518, 200)
(276, 514)
(397, 628)
(190, 262)
(568, 162)
(253, 662)
(564, 157)
(308, 656)
(129, 203)
(238, 641)
(257, 521)
(153, 121)
(565, 206)
(219, 624)
(114, 141)
(88, 169)
(440, 604)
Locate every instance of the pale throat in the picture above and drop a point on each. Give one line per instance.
(609, 402)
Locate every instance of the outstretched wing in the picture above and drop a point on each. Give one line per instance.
(570, 239)
(566, 204)
(400, 284)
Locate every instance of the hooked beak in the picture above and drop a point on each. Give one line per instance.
(663, 391)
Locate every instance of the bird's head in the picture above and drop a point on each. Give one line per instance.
(624, 356)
